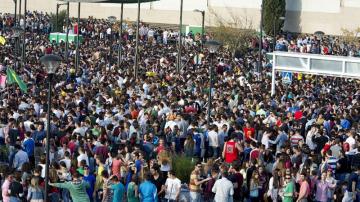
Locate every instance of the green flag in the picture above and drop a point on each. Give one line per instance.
(12, 77)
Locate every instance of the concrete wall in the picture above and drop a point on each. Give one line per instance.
(302, 15)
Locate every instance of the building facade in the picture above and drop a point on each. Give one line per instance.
(307, 16)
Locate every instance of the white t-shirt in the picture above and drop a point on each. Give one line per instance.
(223, 189)
(83, 157)
(213, 139)
(172, 187)
(351, 142)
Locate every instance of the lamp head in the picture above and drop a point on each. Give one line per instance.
(51, 62)
(212, 46)
(282, 18)
(199, 11)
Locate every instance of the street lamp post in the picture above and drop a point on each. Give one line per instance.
(120, 34)
(112, 20)
(259, 66)
(57, 16)
(180, 37)
(78, 41)
(212, 46)
(137, 43)
(67, 33)
(274, 29)
(19, 11)
(17, 32)
(23, 53)
(15, 17)
(51, 63)
(202, 26)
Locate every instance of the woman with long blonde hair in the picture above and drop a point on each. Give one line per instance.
(35, 193)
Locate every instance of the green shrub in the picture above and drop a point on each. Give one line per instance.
(183, 166)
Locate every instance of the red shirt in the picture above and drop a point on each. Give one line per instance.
(249, 132)
(231, 152)
(254, 154)
(298, 115)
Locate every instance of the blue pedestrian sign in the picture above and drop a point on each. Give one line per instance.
(287, 77)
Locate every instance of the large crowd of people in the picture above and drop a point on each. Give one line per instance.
(115, 138)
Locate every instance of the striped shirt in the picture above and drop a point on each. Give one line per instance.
(295, 139)
(331, 162)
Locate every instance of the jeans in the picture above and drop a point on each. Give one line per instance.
(195, 197)
(214, 151)
(14, 199)
(54, 197)
(65, 194)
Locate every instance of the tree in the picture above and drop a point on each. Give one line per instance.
(350, 36)
(273, 10)
(234, 33)
(61, 20)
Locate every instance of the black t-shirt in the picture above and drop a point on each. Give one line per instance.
(15, 189)
(13, 135)
(354, 177)
(159, 182)
(239, 179)
(344, 166)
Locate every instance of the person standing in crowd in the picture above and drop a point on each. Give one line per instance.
(35, 192)
(16, 191)
(20, 157)
(90, 179)
(323, 188)
(29, 147)
(195, 183)
(231, 150)
(147, 190)
(304, 192)
(118, 188)
(76, 187)
(223, 189)
(289, 189)
(172, 187)
(133, 190)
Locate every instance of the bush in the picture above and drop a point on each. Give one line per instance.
(61, 20)
(183, 166)
(235, 33)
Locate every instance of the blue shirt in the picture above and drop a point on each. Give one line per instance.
(148, 192)
(138, 165)
(119, 191)
(345, 123)
(91, 180)
(39, 135)
(279, 141)
(29, 145)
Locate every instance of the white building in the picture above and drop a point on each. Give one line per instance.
(307, 16)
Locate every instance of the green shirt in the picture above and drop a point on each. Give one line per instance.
(77, 190)
(131, 193)
(288, 192)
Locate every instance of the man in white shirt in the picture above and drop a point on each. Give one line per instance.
(172, 187)
(213, 140)
(350, 140)
(223, 189)
(82, 156)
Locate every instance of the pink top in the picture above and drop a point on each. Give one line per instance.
(115, 167)
(322, 189)
(4, 191)
(304, 188)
